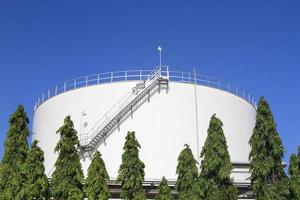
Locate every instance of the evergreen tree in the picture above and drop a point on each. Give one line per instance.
(36, 184)
(294, 172)
(96, 182)
(187, 179)
(267, 175)
(215, 165)
(131, 172)
(66, 182)
(16, 149)
(164, 191)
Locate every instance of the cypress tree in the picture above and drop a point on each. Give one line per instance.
(187, 179)
(164, 191)
(16, 149)
(215, 165)
(96, 182)
(294, 172)
(131, 172)
(268, 179)
(36, 184)
(66, 182)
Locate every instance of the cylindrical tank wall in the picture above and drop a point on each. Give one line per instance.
(163, 125)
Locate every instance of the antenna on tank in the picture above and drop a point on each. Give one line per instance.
(159, 50)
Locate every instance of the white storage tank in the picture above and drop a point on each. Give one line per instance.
(168, 109)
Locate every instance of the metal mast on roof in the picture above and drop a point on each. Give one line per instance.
(160, 50)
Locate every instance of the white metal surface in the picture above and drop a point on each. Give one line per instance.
(116, 114)
(162, 125)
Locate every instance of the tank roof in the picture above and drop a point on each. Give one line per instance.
(139, 75)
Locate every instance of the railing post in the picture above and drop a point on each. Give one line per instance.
(243, 93)
(195, 78)
(237, 91)
(249, 98)
(168, 73)
(74, 83)
(181, 76)
(48, 94)
(140, 75)
(43, 97)
(56, 90)
(98, 79)
(125, 75)
(111, 77)
(39, 101)
(65, 84)
(86, 80)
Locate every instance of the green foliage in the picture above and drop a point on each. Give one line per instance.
(36, 185)
(216, 167)
(66, 182)
(278, 190)
(294, 172)
(131, 172)
(164, 191)
(294, 167)
(96, 182)
(266, 155)
(210, 190)
(16, 147)
(187, 180)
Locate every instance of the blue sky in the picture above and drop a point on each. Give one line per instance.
(254, 44)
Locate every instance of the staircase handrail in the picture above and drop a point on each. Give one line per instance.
(119, 106)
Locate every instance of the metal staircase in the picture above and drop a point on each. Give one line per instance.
(112, 119)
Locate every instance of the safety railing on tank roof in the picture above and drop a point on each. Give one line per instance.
(136, 75)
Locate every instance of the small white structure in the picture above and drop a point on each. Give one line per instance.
(170, 109)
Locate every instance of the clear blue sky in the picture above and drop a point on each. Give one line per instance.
(254, 44)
